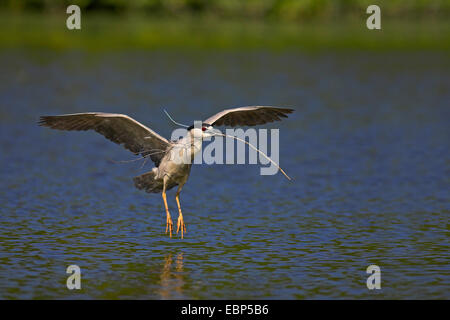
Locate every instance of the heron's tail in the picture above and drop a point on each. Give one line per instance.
(148, 182)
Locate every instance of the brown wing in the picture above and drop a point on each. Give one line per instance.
(248, 116)
(118, 128)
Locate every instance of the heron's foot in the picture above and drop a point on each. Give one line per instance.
(181, 225)
(169, 225)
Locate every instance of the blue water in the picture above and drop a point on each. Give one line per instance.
(368, 148)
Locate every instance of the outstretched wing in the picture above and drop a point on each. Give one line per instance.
(248, 116)
(118, 128)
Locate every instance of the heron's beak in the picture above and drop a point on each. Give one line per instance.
(211, 132)
(214, 132)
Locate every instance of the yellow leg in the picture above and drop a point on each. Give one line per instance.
(169, 223)
(180, 223)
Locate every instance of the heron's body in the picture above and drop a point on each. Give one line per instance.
(176, 172)
(173, 159)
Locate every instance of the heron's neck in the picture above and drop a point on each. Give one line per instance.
(193, 144)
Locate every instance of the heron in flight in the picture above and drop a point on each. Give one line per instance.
(169, 171)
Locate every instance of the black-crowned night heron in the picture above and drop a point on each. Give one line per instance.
(169, 171)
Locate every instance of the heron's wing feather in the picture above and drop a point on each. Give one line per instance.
(118, 128)
(248, 116)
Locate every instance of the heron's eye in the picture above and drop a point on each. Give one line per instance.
(203, 128)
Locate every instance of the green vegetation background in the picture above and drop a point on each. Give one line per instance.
(226, 24)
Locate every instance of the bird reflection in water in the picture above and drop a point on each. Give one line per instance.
(172, 278)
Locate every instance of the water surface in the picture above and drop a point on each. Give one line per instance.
(368, 148)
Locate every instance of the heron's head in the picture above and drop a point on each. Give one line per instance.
(202, 130)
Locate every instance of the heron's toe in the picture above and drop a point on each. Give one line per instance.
(169, 226)
(182, 226)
